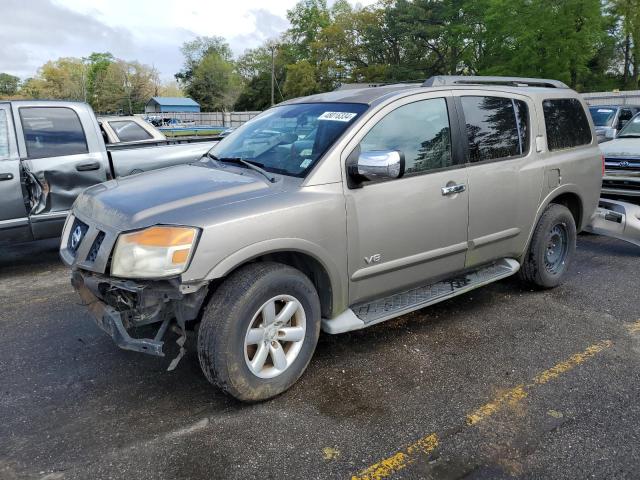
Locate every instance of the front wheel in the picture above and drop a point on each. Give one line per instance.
(552, 248)
(259, 331)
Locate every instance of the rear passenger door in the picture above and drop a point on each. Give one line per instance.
(504, 175)
(58, 161)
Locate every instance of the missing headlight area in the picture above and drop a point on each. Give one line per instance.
(137, 315)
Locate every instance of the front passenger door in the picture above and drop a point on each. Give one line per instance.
(408, 231)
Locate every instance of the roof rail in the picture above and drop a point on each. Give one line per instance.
(448, 80)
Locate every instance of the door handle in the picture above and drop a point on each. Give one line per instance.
(6, 176)
(452, 189)
(85, 167)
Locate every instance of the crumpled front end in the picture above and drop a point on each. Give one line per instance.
(136, 314)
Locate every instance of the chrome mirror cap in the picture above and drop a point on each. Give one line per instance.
(378, 165)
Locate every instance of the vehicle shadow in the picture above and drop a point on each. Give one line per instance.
(28, 256)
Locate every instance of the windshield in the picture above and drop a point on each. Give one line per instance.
(632, 128)
(602, 116)
(289, 139)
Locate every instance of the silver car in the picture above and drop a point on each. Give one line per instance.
(336, 212)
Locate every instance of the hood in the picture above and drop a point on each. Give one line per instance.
(171, 195)
(622, 147)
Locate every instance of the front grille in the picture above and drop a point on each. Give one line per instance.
(76, 235)
(621, 184)
(626, 164)
(95, 248)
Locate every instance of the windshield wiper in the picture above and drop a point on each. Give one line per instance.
(252, 165)
(629, 135)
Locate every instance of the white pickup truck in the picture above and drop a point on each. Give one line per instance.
(50, 151)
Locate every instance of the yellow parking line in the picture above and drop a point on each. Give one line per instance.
(634, 327)
(571, 363)
(398, 461)
(424, 446)
(511, 397)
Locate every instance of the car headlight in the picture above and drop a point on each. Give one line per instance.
(153, 252)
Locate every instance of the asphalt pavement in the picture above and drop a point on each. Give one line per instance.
(502, 382)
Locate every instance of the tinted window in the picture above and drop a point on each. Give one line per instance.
(128, 131)
(624, 117)
(420, 130)
(52, 132)
(493, 129)
(4, 135)
(566, 122)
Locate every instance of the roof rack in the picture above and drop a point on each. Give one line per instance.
(448, 80)
(350, 86)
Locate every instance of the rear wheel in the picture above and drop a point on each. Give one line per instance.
(552, 248)
(259, 331)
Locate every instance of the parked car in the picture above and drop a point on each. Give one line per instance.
(622, 162)
(337, 211)
(51, 151)
(116, 129)
(609, 119)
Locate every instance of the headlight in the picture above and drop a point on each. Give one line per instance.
(153, 252)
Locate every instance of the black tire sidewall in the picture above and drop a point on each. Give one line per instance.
(555, 214)
(228, 352)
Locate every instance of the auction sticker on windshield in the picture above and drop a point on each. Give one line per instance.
(337, 116)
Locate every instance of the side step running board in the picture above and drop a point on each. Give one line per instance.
(616, 219)
(365, 314)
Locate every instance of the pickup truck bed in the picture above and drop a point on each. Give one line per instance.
(50, 151)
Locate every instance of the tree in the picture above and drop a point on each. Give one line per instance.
(301, 79)
(97, 65)
(629, 14)
(214, 84)
(518, 43)
(9, 84)
(196, 50)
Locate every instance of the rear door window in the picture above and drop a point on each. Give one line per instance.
(52, 132)
(497, 127)
(566, 123)
(128, 131)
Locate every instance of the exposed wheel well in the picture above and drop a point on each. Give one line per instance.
(573, 203)
(312, 268)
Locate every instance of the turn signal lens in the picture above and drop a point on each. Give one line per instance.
(153, 252)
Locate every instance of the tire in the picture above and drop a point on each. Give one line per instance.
(242, 302)
(552, 248)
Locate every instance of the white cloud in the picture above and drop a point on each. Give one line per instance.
(150, 31)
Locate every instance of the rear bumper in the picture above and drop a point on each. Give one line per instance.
(112, 322)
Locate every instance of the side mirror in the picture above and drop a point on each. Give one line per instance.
(378, 165)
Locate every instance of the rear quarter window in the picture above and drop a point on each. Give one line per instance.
(128, 131)
(566, 123)
(52, 132)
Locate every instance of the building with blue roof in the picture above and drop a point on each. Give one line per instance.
(171, 104)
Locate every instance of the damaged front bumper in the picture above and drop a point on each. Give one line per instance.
(120, 307)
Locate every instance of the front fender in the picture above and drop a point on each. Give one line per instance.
(299, 245)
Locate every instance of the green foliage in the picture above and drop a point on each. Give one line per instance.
(214, 84)
(301, 79)
(590, 44)
(8, 84)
